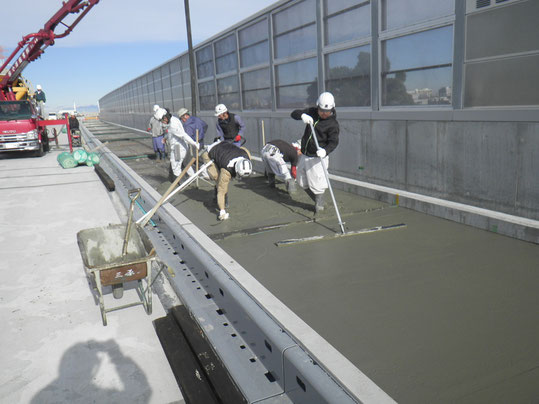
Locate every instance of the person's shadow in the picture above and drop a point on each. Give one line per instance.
(96, 372)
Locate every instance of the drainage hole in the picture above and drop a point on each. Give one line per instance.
(301, 384)
(221, 292)
(267, 345)
(270, 377)
(252, 359)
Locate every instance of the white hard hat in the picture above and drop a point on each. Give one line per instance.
(155, 108)
(160, 113)
(243, 167)
(219, 109)
(182, 112)
(326, 101)
(38, 86)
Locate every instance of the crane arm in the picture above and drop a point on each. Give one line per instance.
(32, 46)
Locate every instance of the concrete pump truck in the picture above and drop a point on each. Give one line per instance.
(22, 126)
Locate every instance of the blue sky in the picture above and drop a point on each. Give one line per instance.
(117, 41)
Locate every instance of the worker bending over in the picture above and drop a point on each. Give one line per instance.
(275, 155)
(229, 161)
(310, 172)
(178, 141)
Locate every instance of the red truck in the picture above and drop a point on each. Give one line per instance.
(21, 126)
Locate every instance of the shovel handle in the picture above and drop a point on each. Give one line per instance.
(131, 192)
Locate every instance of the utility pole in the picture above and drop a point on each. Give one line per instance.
(191, 59)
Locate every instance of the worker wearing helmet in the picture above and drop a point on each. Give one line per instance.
(310, 172)
(275, 154)
(229, 161)
(230, 127)
(191, 124)
(178, 140)
(157, 131)
(41, 99)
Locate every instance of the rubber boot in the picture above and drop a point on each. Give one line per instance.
(271, 180)
(291, 186)
(311, 194)
(319, 203)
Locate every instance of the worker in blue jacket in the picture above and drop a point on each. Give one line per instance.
(191, 124)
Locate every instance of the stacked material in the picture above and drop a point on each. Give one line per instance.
(79, 156)
(66, 160)
(93, 159)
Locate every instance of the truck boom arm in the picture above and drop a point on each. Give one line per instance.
(32, 46)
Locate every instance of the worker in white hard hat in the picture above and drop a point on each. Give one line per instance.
(275, 155)
(229, 162)
(41, 99)
(191, 124)
(310, 172)
(156, 129)
(230, 127)
(178, 140)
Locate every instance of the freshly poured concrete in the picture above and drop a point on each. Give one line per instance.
(53, 346)
(433, 312)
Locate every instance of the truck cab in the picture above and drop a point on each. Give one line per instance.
(19, 129)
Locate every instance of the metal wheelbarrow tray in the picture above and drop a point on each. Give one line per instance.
(104, 261)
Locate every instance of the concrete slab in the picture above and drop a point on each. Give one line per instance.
(53, 346)
(434, 312)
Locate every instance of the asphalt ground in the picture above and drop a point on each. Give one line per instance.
(433, 311)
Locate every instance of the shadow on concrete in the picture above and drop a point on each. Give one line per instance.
(96, 372)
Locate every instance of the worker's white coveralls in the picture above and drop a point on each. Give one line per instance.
(274, 162)
(310, 174)
(178, 141)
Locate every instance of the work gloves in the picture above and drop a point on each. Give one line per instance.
(321, 153)
(223, 215)
(307, 119)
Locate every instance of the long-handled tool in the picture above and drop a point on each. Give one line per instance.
(197, 157)
(169, 194)
(131, 192)
(327, 180)
(142, 221)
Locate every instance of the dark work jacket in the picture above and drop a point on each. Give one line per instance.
(230, 127)
(222, 153)
(290, 155)
(327, 131)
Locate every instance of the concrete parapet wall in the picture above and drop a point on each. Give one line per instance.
(491, 165)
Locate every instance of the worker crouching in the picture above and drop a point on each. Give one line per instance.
(275, 154)
(310, 171)
(229, 161)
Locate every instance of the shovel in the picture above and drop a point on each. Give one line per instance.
(131, 192)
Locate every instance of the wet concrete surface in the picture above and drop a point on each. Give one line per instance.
(432, 312)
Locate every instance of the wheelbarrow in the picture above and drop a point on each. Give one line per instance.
(113, 255)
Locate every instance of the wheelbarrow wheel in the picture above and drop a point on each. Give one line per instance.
(118, 290)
